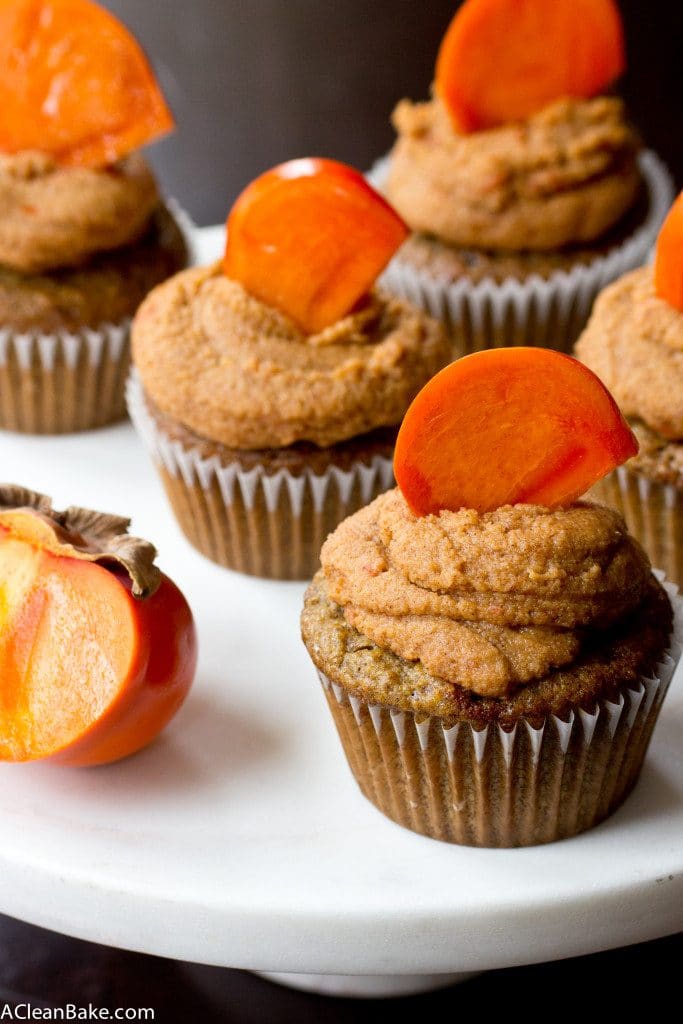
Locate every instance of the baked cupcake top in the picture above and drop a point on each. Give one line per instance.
(240, 372)
(77, 98)
(52, 216)
(461, 587)
(518, 150)
(634, 342)
(287, 339)
(563, 176)
(486, 602)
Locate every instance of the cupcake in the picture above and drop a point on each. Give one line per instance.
(634, 342)
(525, 197)
(494, 653)
(98, 645)
(84, 232)
(269, 388)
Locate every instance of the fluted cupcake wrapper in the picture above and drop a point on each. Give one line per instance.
(269, 524)
(653, 512)
(538, 782)
(59, 383)
(550, 312)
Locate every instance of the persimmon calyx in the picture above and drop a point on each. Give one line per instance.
(79, 533)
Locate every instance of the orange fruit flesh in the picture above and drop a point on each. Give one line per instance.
(508, 426)
(669, 257)
(68, 645)
(311, 244)
(74, 83)
(503, 60)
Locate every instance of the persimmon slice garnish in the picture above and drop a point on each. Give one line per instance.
(89, 672)
(669, 257)
(309, 237)
(503, 60)
(509, 426)
(74, 83)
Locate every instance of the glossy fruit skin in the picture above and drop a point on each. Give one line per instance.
(160, 678)
(669, 257)
(309, 237)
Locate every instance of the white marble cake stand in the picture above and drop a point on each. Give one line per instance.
(239, 837)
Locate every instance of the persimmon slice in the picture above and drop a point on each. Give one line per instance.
(669, 257)
(309, 237)
(89, 673)
(508, 426)
(74, 83)
(503, 60)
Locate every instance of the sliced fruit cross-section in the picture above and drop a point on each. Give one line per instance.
(508, 426)
(74, 83)
(310, 237)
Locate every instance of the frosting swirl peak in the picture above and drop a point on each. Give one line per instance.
(239, 372)
(634, 342)
(489, 601)
(53, 217)
(562, 177)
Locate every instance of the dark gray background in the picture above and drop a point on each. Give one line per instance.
(255, 82)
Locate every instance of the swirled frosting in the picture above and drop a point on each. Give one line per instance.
(562, 177)
(241, 373)
(488, 601)
(53, 216)
(634, 342)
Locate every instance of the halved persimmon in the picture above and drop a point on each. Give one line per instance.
(507, 426)
(310, 237)
(97, 647)
(74, 83)
(669, 257)
(503, 60)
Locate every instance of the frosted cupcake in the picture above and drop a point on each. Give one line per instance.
(495, 672)
(523, 202)
(634, 342)
(84, 233)
(269, 388)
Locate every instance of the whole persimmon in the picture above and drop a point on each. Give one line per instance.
(98, 648)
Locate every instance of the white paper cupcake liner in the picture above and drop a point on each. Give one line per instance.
(551, 311)
(654, 515)
(538, 782)
(58, 383)
(269, 524)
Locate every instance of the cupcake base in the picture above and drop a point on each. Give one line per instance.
(654, 515)
(494, 788)
(530, 782)
(57, 384)
(261, 513)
